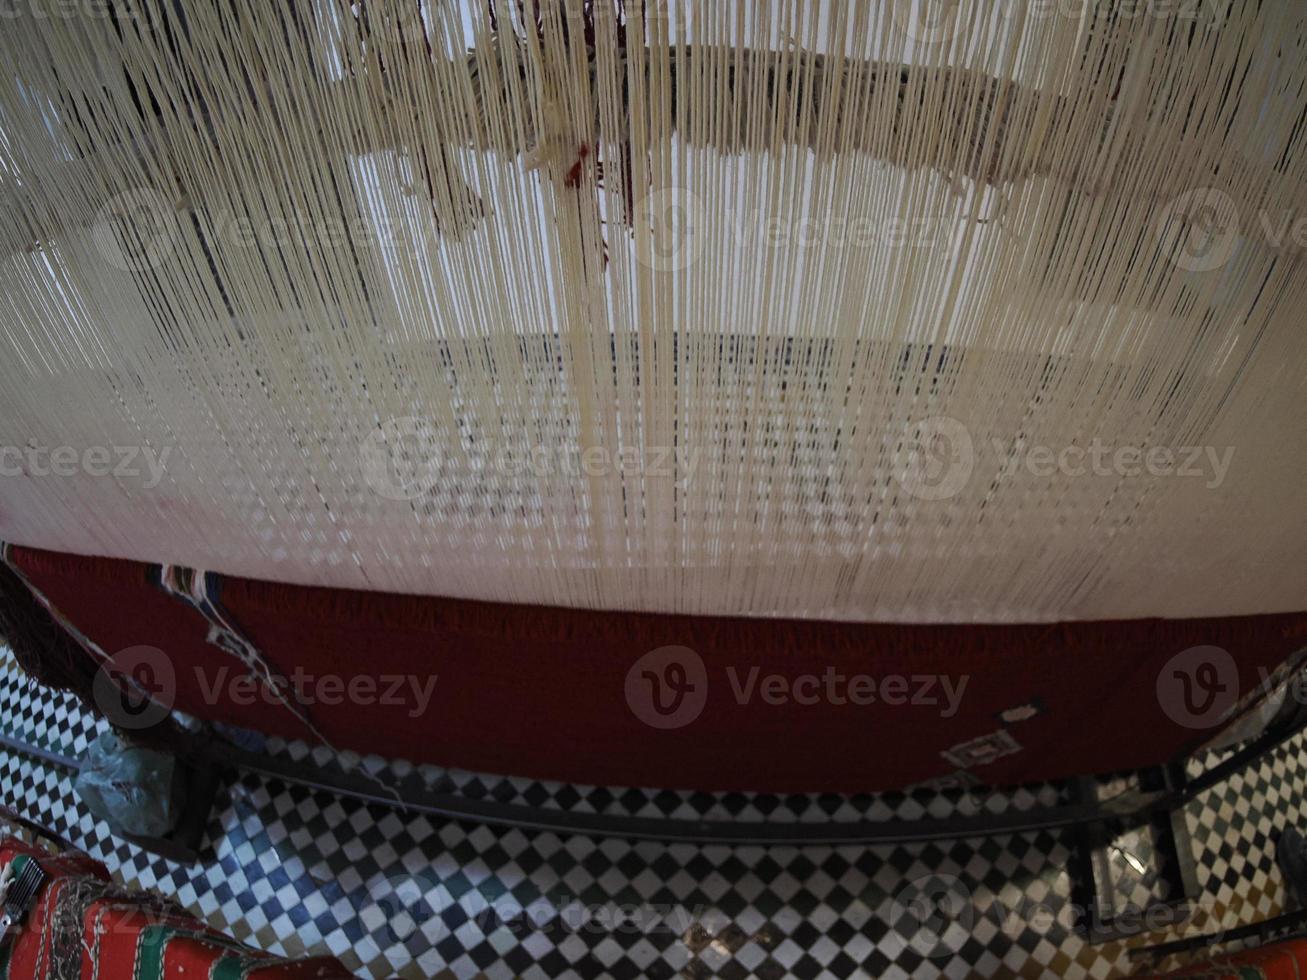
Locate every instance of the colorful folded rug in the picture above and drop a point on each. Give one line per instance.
(1285, 960)
(84, 926)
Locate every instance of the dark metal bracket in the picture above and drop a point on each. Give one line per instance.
(1160, 795)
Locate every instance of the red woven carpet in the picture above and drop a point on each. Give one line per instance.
(760, 704)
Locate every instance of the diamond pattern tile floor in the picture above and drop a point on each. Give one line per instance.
(292, 870)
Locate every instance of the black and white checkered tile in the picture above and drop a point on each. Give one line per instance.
(393, 894)
(1235, 828)
(37, 716)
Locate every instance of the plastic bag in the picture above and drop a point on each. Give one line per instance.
(133, 789)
